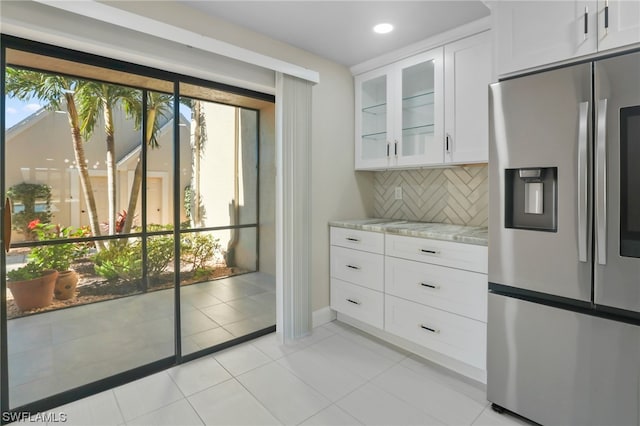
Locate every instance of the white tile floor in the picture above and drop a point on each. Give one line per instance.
(336, 376)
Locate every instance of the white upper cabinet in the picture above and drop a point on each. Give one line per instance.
(373, 119)
(399, 111)
(467, 74)
(618, 23)
(419, 123)
(529, 34)
(428, 110)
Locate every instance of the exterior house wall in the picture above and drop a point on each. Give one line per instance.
(267, 211)
(40, 151)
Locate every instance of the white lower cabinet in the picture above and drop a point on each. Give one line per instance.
(458, 337)
(358, 267)
(454, 290)
(358, 302)
(357, 275)
(430, 293)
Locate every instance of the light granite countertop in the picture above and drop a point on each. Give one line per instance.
(477, 235)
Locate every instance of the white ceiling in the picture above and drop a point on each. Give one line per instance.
(342, 30)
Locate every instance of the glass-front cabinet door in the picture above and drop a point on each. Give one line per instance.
(399, 114)
(373, 120)
(419, 123)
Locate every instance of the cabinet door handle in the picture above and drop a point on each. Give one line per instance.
(447, 146)
(388, 148)
(428, 251)
(433, 286)
(431, 329)
(7, 224)
(355, 240)
(586, 21)
(355, 302)
(606, 17)
(353, 267)
(395, 148)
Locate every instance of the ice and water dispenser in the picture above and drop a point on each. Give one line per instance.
(531, 198)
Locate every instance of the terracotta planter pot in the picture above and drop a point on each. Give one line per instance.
(35, 293)
(66, 285)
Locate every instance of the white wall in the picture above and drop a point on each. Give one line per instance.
(337, 192)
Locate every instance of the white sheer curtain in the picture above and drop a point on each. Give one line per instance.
(293, 211)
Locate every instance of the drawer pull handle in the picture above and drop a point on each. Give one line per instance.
(353, 267)
(433, 286)
(433, 330)
(355, 302)
(427, 251)
(355, 240)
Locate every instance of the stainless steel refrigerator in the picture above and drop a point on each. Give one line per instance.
(564, 244)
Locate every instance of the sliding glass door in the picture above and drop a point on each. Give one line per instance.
(130, 223)
(220, 221)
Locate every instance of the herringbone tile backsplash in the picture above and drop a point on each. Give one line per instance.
(457, 195)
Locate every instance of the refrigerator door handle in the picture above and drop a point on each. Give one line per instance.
(582, 181)
(601, 182)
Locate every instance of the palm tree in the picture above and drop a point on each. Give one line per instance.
(97, 99)
(158, 105)
(57, 91)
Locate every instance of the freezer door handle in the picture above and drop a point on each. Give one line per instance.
(582, 182)
(601, 182)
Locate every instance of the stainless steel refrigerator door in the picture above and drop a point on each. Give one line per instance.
(558, 367)
(543, 120)
(617, 90)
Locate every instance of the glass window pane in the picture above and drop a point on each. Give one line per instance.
(86, 135)
(219, 165)
(73, 147)
(58, 340)
(417, 108)
(222, 295)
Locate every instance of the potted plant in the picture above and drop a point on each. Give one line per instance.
(31, 286)
(58, 256)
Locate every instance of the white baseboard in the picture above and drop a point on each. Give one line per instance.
(322, 316)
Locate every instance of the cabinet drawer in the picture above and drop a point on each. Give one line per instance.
(360, 240)
(358, 267)
(461, 338)
(357, 302)
(446, 253)
(453, 290)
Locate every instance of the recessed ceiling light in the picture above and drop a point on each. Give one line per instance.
(383, 28)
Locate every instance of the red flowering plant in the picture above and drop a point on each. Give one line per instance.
(57, 256)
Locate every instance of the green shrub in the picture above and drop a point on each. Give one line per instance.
(198, 249)
(119, 260)
(159, 254)
(124, 261)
